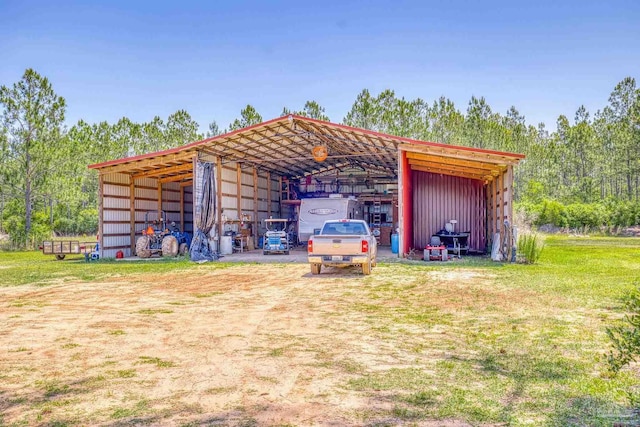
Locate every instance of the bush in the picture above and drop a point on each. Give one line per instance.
(625, 337)
(40, 229)
(527, 213)
(611, 214)
(530, 248)
(84, 222)
(64, 226)
(580, 215)
(554, 213)
(14, 225)
(87, 222)
(623, 214)
(534, 192)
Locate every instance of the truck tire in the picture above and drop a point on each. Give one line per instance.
(170, 246)
(60, 257)
(366, 268)
(182, 249)
(286, 252)
(142, 247)
(315, 268)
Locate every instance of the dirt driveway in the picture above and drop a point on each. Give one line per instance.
(245, 345)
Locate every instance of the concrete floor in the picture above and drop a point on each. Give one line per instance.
(297, 255)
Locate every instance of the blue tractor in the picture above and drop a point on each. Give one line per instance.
(161, 238)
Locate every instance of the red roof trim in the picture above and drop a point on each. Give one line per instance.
(307, 119)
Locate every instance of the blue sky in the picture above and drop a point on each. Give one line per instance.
(140, 59)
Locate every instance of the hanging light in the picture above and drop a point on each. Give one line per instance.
(319, 153)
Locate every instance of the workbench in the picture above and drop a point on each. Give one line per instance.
(456, 243)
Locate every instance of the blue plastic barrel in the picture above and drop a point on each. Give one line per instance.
(260, 241)
(395, 242)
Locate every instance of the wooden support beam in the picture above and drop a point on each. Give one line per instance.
(255, 204)
(467, 169)
(299, 152)
(165, 170)
(509, 194)
(454, 161)
(239, 190)
(160, 200)
(212, 155)
(336, 142)
(302, 166)
(194, 165)
(280, 196)
(483, 214)
(219, 199)
(182, 209)
(459, 154)
(500, 181)
(489, 213)
(101, 215)
(132, 213)
(251, 157)
(183, 177)
(153, 162)
(494, 202)
(186, 183)
(268, 194)
(487, 208)
(386, 158)
(448, 172)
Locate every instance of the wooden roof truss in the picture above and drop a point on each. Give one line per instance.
(284, 147)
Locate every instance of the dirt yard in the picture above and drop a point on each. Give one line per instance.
(242, 344)
(246, 345)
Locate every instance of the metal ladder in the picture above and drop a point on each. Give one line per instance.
(285, 190)
(376, 215)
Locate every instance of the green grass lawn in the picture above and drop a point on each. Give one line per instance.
(34, 268)
(494, 343)
(526, 347)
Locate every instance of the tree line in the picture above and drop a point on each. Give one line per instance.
(591, 162)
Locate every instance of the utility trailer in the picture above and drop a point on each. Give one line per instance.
(61, 248)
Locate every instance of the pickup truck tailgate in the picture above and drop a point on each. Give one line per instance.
(343, 245)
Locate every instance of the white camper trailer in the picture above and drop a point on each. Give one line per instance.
(314, 212)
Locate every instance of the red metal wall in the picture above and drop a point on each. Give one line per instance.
(437, 199)
(407, 204)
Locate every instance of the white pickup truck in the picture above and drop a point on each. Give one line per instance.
(343, 242)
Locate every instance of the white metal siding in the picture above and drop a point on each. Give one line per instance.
(116, 209)
(115, 214)
(116, 203)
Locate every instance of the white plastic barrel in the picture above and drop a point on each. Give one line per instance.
(226, 245)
